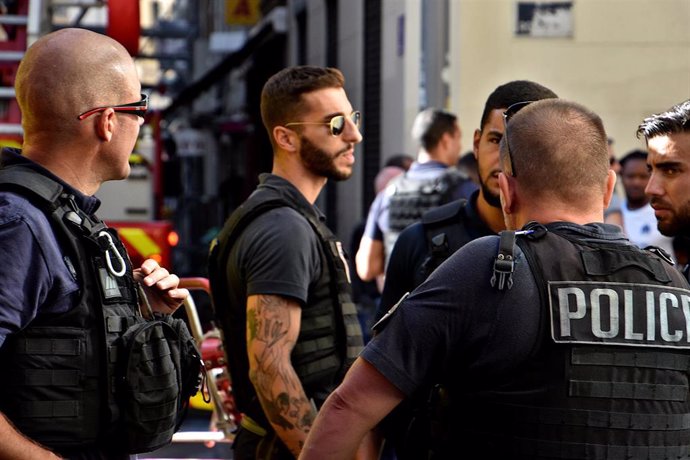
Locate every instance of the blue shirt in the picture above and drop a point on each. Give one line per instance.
(35, 277)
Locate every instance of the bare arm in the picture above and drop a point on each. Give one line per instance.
(273, 325)
(14, 446)
(350, 413)
(370, 258)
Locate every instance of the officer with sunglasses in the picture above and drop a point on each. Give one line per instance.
(557, 339)
(279, 279)
(423, 246)
(67, 290)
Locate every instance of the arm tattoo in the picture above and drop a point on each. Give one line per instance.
(276, 383)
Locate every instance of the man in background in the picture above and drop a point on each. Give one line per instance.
(639, 222)
(428, 183)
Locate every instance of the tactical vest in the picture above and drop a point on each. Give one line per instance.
(411, 198)
(609, 377)
(97, 376)
(445, 229)
(330, 336)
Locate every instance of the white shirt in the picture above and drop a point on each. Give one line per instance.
(640, 226)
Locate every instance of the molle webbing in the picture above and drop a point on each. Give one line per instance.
(58, 363)
(584, 392)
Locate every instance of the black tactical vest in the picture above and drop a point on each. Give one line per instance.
(97, 376)
(330, 336)
(446, 231)
(411, 198)
(609, 378)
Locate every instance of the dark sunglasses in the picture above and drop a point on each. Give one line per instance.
(336, 124)
(507, 115)
(138, 108)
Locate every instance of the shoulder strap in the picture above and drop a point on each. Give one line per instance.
(235, 225)
(445, 231)
(30, 184)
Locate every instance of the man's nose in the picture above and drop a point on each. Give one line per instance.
(653, 187)
(352, 133)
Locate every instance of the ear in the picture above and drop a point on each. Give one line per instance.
(610, 185)
(105, 125)
(507, 187)
(285, 139)
(475, 142)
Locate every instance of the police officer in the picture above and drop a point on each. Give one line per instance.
(67, 290)
(560, 340)
(422, 246)
(278, 276)
(668, 143)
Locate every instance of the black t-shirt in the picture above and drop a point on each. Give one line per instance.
(278, 253)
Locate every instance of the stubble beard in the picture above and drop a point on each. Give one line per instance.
(322, 163)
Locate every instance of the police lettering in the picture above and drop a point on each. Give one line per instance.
(620, 313)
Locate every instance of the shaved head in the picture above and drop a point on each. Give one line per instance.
(68, 72)
(560, 150)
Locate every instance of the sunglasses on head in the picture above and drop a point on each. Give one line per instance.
(507, 115)
(138, 108)
(335, 124)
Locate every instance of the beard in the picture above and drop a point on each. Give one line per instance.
(678, 223)
(322, 163)
(491, 197)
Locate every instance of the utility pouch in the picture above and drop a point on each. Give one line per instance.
(160, 370)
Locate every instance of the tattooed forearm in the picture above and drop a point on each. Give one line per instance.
(272, 330)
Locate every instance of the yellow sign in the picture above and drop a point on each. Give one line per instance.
(242, 12)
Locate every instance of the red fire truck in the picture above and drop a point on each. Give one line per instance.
(133, 206)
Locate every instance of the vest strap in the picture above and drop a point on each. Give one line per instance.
(586, 356)
(41, 409)
(47, 346)
(44, 377)
(655, 392)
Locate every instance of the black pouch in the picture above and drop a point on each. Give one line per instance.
(160, 370)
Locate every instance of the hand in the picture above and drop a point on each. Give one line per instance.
(160, 287)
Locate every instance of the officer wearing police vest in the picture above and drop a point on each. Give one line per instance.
(558, 339)
(84, 374)
(278, 275)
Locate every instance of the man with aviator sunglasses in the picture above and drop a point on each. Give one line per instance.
(556, 339)
(67, 290)
(278, 275)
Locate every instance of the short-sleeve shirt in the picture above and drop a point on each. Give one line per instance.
(455, 326)
(278, 252)
(35, 277)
